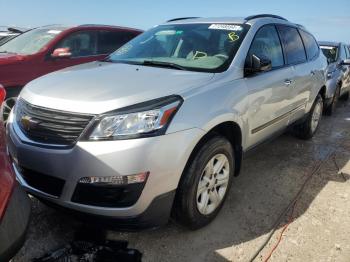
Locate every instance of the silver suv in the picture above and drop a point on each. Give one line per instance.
(161, 125)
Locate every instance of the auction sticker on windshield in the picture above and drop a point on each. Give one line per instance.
(226, 27)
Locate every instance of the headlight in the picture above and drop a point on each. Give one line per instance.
(145, 119)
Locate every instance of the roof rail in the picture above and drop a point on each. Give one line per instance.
(300, 26)
(264, 15)
(181, 18)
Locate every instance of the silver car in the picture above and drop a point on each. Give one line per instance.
(337, 74)
(160, 126)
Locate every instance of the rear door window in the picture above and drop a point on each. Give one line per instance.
(266, 43)
(292, 44)
(109, 41)
(310, 44)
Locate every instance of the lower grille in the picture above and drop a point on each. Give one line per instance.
(50, 126)
(107, 196)
(45, 183)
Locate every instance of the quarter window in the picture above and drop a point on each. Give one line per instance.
(266, 43)
(292, 44)
(310, 43)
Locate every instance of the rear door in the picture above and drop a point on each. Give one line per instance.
(303, 74)
(268, 91)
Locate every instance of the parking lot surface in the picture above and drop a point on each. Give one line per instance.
(270, 178)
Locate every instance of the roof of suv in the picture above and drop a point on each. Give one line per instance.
(239, 20)
(328, 43)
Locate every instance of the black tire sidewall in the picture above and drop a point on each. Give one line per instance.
(216, 145)
(309, 120)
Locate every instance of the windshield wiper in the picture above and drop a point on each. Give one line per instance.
(163, 64)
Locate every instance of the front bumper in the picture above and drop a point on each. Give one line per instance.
(13, 225)
(163, 156)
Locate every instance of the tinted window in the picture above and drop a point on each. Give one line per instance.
(310, 44)
(346, 55)
(80, 44)
(331, 52)
(266, 43)
(108, 41)
(293, 45)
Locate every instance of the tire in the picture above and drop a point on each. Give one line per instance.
(308, 128)
(11, 97)
(333, 106)
(7, 106)
(345, 97)
(193, 209)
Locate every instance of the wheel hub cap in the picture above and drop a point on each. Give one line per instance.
(213, 184)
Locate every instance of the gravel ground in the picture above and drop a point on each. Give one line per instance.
(270, 178)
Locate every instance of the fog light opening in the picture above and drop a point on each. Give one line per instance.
(115, 180)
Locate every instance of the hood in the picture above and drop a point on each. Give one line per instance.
(100, 87)
(8, 58)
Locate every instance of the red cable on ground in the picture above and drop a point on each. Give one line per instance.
(292, 205)
(281, 234)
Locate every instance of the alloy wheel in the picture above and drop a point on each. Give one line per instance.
(213, 184)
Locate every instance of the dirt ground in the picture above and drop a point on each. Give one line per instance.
(270, 178)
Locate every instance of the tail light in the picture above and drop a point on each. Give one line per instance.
(2, 93)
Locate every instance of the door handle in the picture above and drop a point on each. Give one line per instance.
(287, 82)
(312, 73)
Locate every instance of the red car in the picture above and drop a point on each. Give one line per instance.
(46, 49)
(14, 203)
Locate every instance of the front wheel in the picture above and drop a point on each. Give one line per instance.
(7, 106)
(308, 128)
(205, 183)
(332, 107)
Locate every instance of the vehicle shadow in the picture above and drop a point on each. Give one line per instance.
(270, 178)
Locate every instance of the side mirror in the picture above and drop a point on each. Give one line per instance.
(345, 62)
(257, 64)
(61, 53)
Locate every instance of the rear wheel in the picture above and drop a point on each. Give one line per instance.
(205, 183)
(308, 128)
(332, 107)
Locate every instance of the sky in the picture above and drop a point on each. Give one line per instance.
(327, 20)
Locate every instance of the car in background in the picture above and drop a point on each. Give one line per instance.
(49, 48)
(161, 125)
(14, 203)
(338, 73)
(7, 33)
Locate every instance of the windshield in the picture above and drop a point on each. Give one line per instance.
(331, 52)
(196, 47)
(30, 42)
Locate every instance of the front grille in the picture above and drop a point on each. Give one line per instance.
(50, 126)
(45, 183)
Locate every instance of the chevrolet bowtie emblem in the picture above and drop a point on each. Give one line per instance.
(28, 123)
